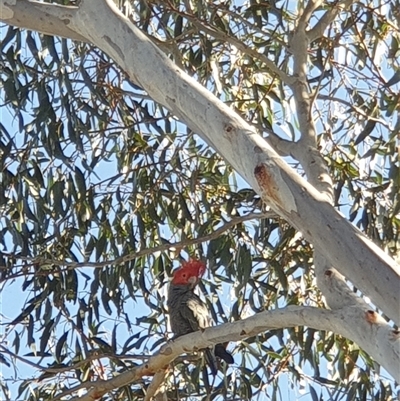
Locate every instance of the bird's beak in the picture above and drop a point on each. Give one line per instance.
(193, 281)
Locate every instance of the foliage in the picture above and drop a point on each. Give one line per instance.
(103, 192)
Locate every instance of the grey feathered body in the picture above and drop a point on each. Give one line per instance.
(186, 310)
(187, 314)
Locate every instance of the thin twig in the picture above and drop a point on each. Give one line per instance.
(127, 258)
(327, 19)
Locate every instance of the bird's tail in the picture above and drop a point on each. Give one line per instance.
(211, 361)
(221, 352)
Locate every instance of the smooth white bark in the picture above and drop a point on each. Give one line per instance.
(51, 19)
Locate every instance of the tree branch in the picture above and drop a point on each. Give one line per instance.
(367, 329)
(374, 272)
(327, 19)
(39, 261)
(333, 285)
(306, 151)
(306, 15)
(154, 387)
(50, 19)
(212, 31)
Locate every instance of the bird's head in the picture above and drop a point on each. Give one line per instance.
(189, 273)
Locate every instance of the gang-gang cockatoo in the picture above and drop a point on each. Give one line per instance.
(188, 313)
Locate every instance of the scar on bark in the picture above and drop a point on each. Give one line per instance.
(395, 334)
(228, 128)
(371, 316)
(266, 182)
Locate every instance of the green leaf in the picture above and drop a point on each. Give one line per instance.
(44, 339)
(60, 346)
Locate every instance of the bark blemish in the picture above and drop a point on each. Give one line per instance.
(267, 183)
(228, 129)
(274, 186)
(170, 99)
(395, 334)
(115, 46)
(166, 351)
(370, 316)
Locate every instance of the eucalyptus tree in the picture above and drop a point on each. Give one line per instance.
(261, 137)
